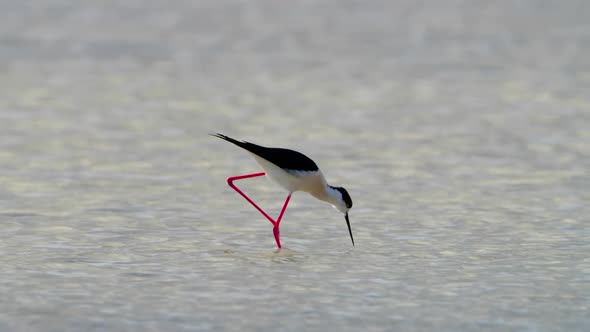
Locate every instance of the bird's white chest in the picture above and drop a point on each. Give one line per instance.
(312, 182)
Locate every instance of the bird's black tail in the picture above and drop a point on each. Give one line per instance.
(283, 158)
(231, 140)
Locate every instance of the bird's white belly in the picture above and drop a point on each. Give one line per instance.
(312, 182)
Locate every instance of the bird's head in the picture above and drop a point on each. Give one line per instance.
(343, 203)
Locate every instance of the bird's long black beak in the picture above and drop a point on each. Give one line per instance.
(349, 230)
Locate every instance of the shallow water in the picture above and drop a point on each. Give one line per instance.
(461, 131)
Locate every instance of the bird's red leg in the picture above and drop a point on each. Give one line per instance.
(275, 229)
(275, 223)
(230, 181)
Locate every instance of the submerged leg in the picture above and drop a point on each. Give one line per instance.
(275, 223)
(275, 229)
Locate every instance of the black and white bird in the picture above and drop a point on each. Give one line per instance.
(293, 171)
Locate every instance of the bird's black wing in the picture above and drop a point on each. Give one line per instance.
(284, 158)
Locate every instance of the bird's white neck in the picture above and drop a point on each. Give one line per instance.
(335, 195)
(329, 195)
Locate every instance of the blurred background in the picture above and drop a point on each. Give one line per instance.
(461, 130)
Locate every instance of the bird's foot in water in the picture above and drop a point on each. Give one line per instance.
(277, 233)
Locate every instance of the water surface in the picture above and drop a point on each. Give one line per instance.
(461, 131)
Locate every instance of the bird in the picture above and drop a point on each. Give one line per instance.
(293, 171)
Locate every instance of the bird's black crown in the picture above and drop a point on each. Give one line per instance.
(345, 196)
